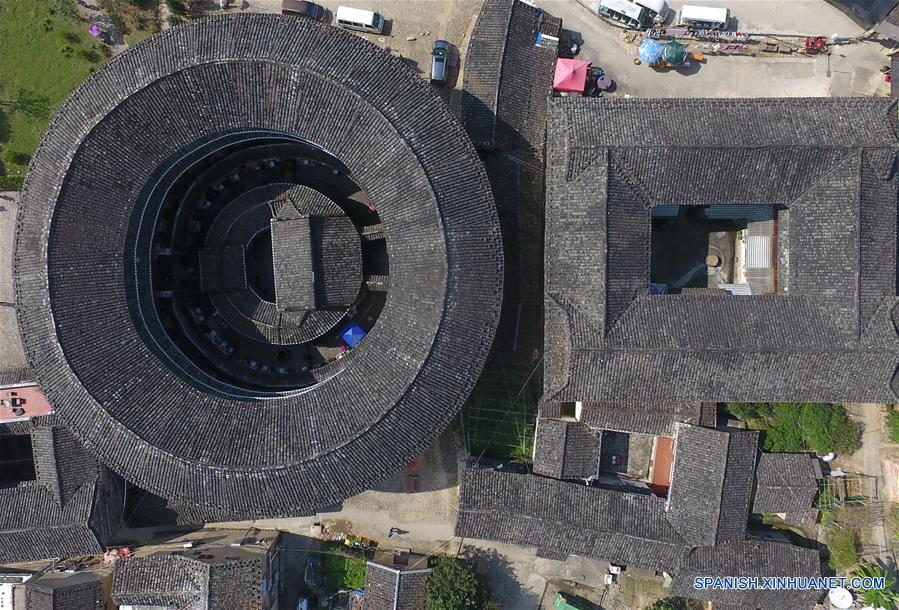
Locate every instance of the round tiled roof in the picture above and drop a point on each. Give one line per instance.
(143, 405)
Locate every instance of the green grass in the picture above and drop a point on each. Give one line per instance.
(499, 417)
(43, 57)
(343, 572)
(843, 549)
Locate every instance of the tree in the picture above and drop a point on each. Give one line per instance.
(885, 598)
(454, 585)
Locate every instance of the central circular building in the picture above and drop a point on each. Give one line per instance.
(258, 265)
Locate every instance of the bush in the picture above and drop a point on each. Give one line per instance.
(843, 551)
(62, 8)
(11, 183)
(794, 427)
(454, 585)
(176, 7)
(11, 157)
(174, 20)
(343, 572)
(784, 432)
(750, 411)
(892, 420)
(88, 55)
(827, 428)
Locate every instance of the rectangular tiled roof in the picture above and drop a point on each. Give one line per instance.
(785, 483)
(501, 109)
(392, 589)
(830, 337)
(292, 253)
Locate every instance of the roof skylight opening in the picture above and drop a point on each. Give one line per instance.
(715, 249)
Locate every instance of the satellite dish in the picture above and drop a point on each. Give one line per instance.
(840, 597)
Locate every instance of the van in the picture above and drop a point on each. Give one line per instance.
(358, 19)
(657, 10)
(623, 11)
(702, 17)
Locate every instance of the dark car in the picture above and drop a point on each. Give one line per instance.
(439, 59)
(302, 8)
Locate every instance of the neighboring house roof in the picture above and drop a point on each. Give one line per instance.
(562, 518)
(829, 336)
(392, 589)
(87, 310)
(82, 591)
(655, 418)
(711, 484)
(750, 558)
(168, 581)
(786, 483)
(173, 581)
(501, 109)
(72, 507)
(570, 449)
(566, 449)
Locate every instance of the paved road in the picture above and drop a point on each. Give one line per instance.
(852, 70)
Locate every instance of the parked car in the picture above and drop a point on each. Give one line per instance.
(439, 60)
(313, 575)
(302, 8)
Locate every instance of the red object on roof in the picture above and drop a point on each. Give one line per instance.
(571, 75)
(23, 401)
(661, 466)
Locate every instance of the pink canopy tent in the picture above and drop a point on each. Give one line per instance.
(571, 75)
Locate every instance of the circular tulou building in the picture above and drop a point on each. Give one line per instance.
(258, 266)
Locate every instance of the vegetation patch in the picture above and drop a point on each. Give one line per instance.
(843, 550)
(134, 19)
(892, 423)
(453, 584)
(793, 427)
(45, 52)
(343, 572)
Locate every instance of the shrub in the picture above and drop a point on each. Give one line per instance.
(174, 20)
(176, 7)
(843, 551)
(827, 428)
(64, 9)
(750, 411)
(11, 183)
(88, 55)
(892, 421)
(343, 572)
(784, 432)
(454, 585)
(11, 157)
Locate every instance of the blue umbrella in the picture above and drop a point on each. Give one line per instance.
(352, 334)
(650, 51)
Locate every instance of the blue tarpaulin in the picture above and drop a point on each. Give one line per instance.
(352, 334)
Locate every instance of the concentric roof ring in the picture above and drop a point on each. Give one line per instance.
(221, 448)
